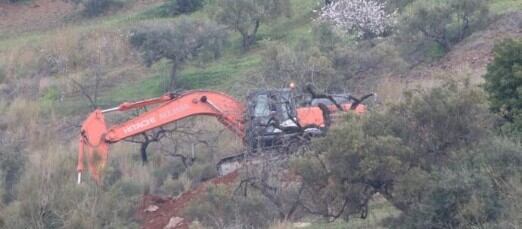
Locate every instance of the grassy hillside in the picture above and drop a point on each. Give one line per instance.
(50, 67)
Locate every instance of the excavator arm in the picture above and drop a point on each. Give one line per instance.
(96, 136)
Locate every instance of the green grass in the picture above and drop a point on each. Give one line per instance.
(212, 77)
(232, 67)
(504, 6)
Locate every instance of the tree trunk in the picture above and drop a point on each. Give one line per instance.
(143, 152)
(173, 74)
(250, 38)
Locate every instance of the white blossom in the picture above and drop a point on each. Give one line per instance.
(365, 18)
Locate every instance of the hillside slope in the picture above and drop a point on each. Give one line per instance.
(52, 59)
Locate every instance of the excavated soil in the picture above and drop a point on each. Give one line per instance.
(173, 207)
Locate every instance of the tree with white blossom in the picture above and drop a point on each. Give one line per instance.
(365, 18)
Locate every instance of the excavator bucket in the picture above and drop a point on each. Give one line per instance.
(93, 146)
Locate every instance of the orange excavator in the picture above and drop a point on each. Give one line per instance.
(269, 118)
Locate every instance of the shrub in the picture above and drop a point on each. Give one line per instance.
(177, 7)
(172, 187)
(12, 163)
(432, 156)
(11, 1)
(455, 199)
(2, 75)
(504, 83)
(48, 197)
(93, 8)
(201, 172)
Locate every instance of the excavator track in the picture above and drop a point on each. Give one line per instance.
(232, 163)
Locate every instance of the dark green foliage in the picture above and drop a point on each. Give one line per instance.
(172, 169)
(179, 42)
(93, 8)
(12, 1)
(504, 83)
(432, 156)
(12, 163)
(475, 188)
(177, 7)
(455, 199)
(2, 75)
(445, 22)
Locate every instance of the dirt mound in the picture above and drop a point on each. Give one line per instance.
(155, 212)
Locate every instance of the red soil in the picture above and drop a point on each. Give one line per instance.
(169, 207)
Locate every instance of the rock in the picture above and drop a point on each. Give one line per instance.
(151, 208)
(174, 222)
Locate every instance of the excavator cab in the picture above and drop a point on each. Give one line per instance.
(271, 118)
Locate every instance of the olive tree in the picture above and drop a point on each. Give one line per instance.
(245, 16)
(445, 22)
(432, 156)
(178, 42)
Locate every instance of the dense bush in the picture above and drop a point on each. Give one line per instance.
(176, 7)
(94, 8)
(12, 163)
(504, 83)
(476, 189)
(11, 1)
(2, 75)
(201, 172)
(432, 156)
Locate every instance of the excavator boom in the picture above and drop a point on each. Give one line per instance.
(96, 136)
